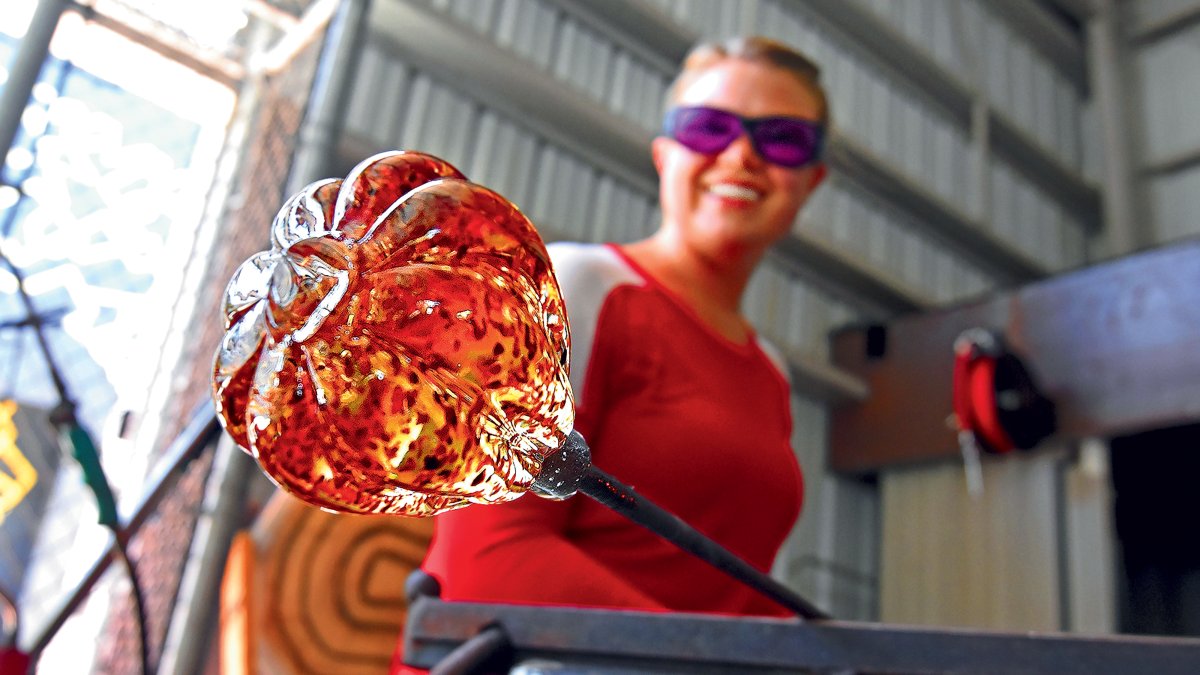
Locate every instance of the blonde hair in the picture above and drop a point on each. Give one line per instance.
(756, 49)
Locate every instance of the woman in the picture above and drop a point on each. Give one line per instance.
(675, 393)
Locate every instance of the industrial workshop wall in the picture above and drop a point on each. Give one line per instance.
(1164, 71)
(965, 159)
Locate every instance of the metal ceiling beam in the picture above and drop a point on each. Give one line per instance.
(907, 63)
(637, 27)
(296, 36)
(945, 221)
(144, 31)
(483, 71)
(844, 275)
(1180, 161)
(1062, 47)
(1171, 24)
(1080, 10)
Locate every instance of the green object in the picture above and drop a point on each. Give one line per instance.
(84, 452)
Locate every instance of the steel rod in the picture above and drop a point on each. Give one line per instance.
(621, 498)
(25, 68)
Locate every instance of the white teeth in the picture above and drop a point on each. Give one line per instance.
(733, 191)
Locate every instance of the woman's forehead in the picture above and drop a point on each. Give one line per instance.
(751, 88)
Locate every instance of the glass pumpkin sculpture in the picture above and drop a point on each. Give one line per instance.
(401, 348)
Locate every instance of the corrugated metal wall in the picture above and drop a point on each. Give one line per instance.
(1165, 70)
(961, 160)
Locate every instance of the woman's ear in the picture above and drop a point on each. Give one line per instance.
(820, 171)
(658, 151)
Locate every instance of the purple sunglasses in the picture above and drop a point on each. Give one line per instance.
(787, 141)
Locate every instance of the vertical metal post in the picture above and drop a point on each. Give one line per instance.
(1108, 90)
(323, 120)
(981, 132)
(191, 633)
(23, 74)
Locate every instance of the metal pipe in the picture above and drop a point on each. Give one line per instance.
(330, 94)
(622, 499)
(189, 632)
(307, 29)
(1108, 90)
(32, 51)
(570, 470)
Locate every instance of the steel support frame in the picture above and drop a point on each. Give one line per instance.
(597, 641)
(1057, 43)
(636, 27)
(1113, 345)
(26, 66)
(1172, 24)
(138, 28)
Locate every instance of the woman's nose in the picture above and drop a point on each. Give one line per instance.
(741, 152)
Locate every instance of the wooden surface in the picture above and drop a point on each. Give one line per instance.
(313, 592)
(1115, 346)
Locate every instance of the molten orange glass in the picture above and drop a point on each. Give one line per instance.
(401, 348)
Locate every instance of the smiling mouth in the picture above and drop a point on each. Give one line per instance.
(731, 191)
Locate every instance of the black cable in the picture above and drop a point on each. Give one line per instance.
(14, 367)
(139, 598)
(84, 450)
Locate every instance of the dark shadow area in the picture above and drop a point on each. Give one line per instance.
(1157, 501)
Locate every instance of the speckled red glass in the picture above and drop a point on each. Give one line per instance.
(401, 348)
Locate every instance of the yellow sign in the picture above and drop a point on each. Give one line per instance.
(14, 487)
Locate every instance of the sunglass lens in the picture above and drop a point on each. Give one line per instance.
(787, 142)
(705, 130)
